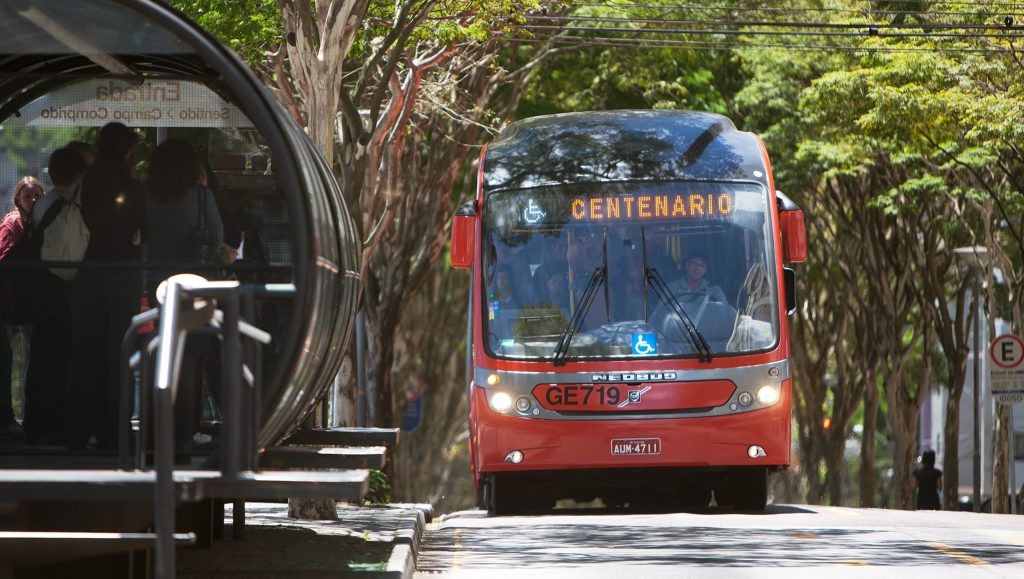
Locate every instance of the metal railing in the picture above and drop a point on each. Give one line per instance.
(193, 304)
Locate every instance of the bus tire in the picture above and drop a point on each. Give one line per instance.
(501, 497)
(750, 489)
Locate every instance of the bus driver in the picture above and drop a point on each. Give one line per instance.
(694, 282)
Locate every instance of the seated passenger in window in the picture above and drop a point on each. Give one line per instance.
(502, 302)
(694, 281)
(557, 293)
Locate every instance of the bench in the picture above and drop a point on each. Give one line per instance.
(29, 548)
(304, 457)
(386, 437)
(190, 485)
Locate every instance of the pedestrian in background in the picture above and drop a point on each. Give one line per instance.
(928, 481)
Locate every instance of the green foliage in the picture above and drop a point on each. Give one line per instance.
(603, 75)
(380, 489)
(26, 150)
(909, 129)
(249, 28)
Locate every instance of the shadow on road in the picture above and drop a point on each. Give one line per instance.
(557, 542)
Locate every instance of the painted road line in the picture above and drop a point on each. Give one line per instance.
(802, 535)
(958, 555)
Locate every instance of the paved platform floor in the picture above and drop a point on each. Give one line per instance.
(374, 541)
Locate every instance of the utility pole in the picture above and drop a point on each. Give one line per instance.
(974, 258)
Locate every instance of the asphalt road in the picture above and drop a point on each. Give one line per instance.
(790, 541)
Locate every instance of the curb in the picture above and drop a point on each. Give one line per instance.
(402, 562)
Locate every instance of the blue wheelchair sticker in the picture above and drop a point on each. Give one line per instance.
(645, 344)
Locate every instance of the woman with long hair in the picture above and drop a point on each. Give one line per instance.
(185, 229)
(12, 229)
(183, 219)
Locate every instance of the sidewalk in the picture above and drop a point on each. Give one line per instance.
(379, 541)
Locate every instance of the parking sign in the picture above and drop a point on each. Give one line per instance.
(1006, 372)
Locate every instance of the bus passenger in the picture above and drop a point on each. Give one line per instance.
(504, 303)
(46, 380)
(12, 229)
(26, 193)
(86, 150)
(182, 216)
(184, 228)
(103, 301)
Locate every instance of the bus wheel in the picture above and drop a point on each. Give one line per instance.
(500, 497)
(749, 489)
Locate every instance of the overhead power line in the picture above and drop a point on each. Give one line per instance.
(869, 3)
(769, 23)
(864, 32)
(704, 44)
(998, 11)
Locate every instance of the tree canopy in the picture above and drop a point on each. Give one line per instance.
(894, 124)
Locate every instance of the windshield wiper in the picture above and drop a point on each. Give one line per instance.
(586, 300)
(697, 341)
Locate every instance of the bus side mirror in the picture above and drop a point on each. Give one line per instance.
(792, 228)
(794, 236)
(463, 236)
(789, 279)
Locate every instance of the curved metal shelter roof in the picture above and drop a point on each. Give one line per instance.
(48, 44)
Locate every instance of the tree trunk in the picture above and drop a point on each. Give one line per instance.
(835, 462)
(951, 448)
(343, 396)
(380, 356)
(904, 431)
(1000, 464)
(867, 446)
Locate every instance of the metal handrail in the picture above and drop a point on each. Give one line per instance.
(128, 343)
(237, 443)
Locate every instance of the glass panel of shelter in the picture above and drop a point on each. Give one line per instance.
(252, 213)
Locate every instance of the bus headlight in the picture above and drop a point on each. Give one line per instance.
(501, 402)
(767, 395)
(523, 404)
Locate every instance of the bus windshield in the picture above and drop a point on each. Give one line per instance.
(649, 270)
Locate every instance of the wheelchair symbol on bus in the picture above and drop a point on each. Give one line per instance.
(532, 213)
(645, 344)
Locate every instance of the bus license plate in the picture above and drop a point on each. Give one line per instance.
(623, 446)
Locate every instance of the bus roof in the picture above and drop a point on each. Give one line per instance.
(640, 145)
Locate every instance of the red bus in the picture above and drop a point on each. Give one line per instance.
(628, 333)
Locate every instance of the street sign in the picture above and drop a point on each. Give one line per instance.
(1006, 372)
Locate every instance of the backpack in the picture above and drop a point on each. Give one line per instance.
(66, 236)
